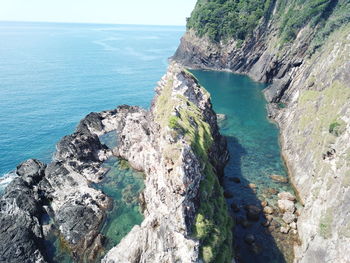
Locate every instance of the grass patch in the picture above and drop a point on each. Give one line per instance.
(325, 226)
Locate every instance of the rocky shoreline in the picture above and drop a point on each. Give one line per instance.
(151, 143)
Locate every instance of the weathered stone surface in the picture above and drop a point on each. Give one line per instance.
(173, 175)
(286, 206)
(20, 211)
(268, 210)
(286, 196)
(279, 178)
(288, 217)
(284, 229)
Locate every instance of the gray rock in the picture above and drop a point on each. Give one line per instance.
(288, 217)
(286, 206)
(20, 210)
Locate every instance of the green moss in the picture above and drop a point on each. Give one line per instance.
(325, 226)
(173, 122)
(337, 127)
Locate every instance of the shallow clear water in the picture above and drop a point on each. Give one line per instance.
(52, 75)
(123, 185)
(254, 155)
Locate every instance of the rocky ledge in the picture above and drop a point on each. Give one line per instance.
(179, 148)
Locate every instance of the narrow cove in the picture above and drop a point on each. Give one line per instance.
(254, 157)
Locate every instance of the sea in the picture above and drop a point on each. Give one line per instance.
(53, 74)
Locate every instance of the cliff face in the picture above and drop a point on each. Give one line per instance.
(309, 98)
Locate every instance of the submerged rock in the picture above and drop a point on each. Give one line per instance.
(279, 178)
(253, 212)
(249, 239)
(286, 196)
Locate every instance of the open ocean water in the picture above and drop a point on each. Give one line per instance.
(53, 74)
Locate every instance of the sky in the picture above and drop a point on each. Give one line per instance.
(147, 12)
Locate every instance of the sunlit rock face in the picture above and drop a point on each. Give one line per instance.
(156, 143)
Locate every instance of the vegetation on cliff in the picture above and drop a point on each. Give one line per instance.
(237, 19)
(221, 19)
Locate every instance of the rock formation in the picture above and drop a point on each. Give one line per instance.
(165, 144)
(176, 144)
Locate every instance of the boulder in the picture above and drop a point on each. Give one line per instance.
(288, 217)
(235, 179)
(279, 178)
(268, 210)
(284, 229)
(286, 196)
(228, 194)
(286, 206)
(264, 203)
(249, 239)
(253, 212)
(235, 207)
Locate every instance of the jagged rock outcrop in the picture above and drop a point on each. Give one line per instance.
(20, 212)
(156, 143)
(309, 98)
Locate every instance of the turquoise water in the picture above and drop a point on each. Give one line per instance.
(123, 185)
(254, 156)
(52, 75)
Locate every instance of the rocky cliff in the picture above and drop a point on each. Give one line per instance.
(182, 154)
(178, 146)
(310, 100)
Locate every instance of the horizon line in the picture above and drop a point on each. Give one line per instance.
(91, 23)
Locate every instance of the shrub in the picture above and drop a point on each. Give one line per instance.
(337, 127)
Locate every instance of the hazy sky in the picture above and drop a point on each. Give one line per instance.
(154, 12)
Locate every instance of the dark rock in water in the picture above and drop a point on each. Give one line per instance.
(31, 171)
(235, 179)
(228, 194)
(270, 191)
(92, 120)
(20, 209)
(249, 239)
(253, 212)
(235, 207)
(239, 219)
(80, 146)
(256, 248)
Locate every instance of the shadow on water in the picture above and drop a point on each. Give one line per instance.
(255, 157)
(252, 241)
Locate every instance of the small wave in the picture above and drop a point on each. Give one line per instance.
(106, 46)
(5, 180)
